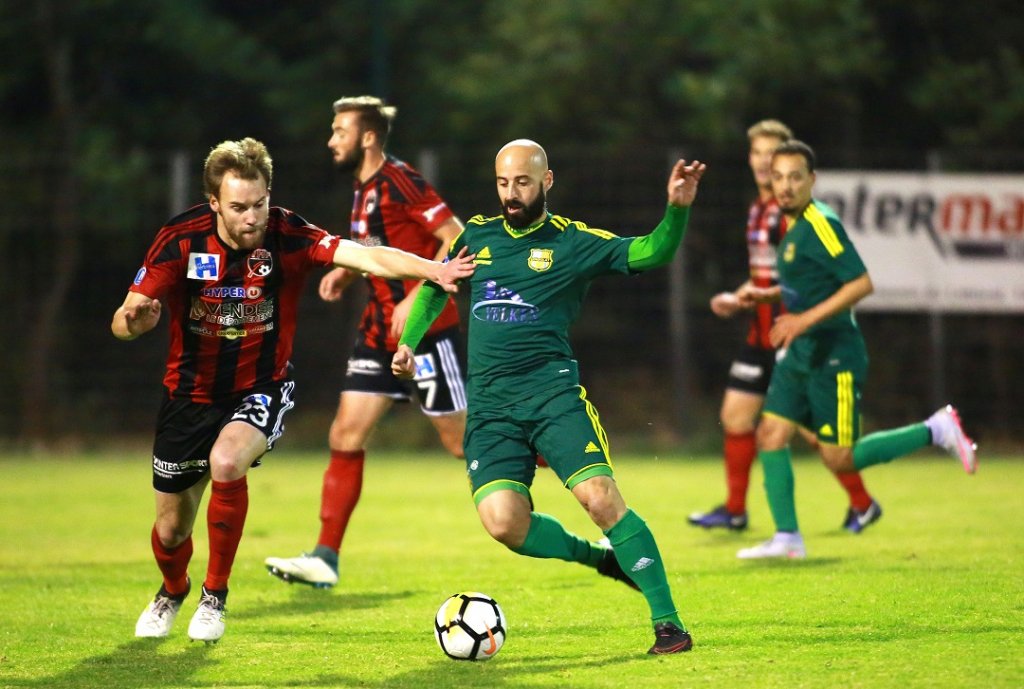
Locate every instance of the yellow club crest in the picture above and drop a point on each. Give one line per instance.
(540, 259)
(790, 253)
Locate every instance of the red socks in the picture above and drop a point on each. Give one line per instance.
(343, 482)
(740, 453)
(173, 563)
(225, 519)
(859, 498)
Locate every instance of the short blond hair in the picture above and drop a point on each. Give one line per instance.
(374, 114)
(248, 158)
(770, 128)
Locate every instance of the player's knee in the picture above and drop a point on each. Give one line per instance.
(171, 533)
(770, 436)
(225, 465)
(344, 439)
(838, 460)
(506, 529)
(454, 446)
(601, 499)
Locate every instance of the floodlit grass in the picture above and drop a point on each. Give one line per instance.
(931, 596)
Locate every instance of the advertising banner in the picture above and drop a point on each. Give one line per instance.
(934, 241)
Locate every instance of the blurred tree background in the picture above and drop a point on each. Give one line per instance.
(99, 98)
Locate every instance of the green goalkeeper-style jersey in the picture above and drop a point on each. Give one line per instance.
(815, 259)
(527, 290)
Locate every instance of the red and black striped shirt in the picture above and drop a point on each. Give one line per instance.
(232, 313)
(765, 228)
(398, 208)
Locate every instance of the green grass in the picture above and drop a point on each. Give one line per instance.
(931, 596)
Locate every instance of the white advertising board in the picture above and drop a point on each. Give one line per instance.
(934, 241)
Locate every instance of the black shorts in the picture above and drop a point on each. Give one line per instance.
(438, 382)
(187, 430)
(751, 370)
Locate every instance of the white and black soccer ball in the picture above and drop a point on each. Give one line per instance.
(470, 626)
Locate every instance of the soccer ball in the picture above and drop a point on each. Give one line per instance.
(470, 626)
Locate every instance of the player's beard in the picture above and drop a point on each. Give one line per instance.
(248, 238)
(352, 161)
(524, 215)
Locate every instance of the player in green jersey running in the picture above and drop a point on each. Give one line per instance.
(524, 396)
(817, 383)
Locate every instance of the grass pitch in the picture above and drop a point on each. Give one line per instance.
(930, 596)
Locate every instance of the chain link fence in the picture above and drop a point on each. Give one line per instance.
(653, 357)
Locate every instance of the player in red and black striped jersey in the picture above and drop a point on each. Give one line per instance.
(392, 206)
(229, 273)
(751, 370)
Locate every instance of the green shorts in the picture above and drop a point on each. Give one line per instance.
(817, 384)
(502, 443)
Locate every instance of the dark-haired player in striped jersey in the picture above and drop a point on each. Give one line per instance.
(229, 273)
(525, 398)
(818, 383)
(752, 368)
(392, 206)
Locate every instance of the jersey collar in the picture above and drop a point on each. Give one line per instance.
(518, 232)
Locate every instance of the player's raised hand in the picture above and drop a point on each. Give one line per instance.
(403, 364)
(455, 269)
(683, 181)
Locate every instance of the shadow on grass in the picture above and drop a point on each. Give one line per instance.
(137, 665)
(133, 664)
(306, 601)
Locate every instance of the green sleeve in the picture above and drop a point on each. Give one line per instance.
(426, 307)
(657, 248)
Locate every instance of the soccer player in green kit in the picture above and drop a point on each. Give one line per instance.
(524, 397)
(818, 381)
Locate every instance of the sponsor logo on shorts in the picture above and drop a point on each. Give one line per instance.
(167, 469)
(425, 368)
(363, 367)
(591, 447)
(744, 371)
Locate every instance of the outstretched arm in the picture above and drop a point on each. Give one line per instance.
(657, 248)
(391, 263)
(425, 309)
(137, 315)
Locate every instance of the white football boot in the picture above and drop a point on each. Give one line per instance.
(948, 433)
(782, 544)
(208, 622)
(156, 620)
(305, 569)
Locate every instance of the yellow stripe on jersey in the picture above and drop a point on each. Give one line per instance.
(480, 220)
(603, 234)
(844, 408)
(560, 222)
(824, 230)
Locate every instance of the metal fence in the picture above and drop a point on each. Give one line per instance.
(652, 355)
